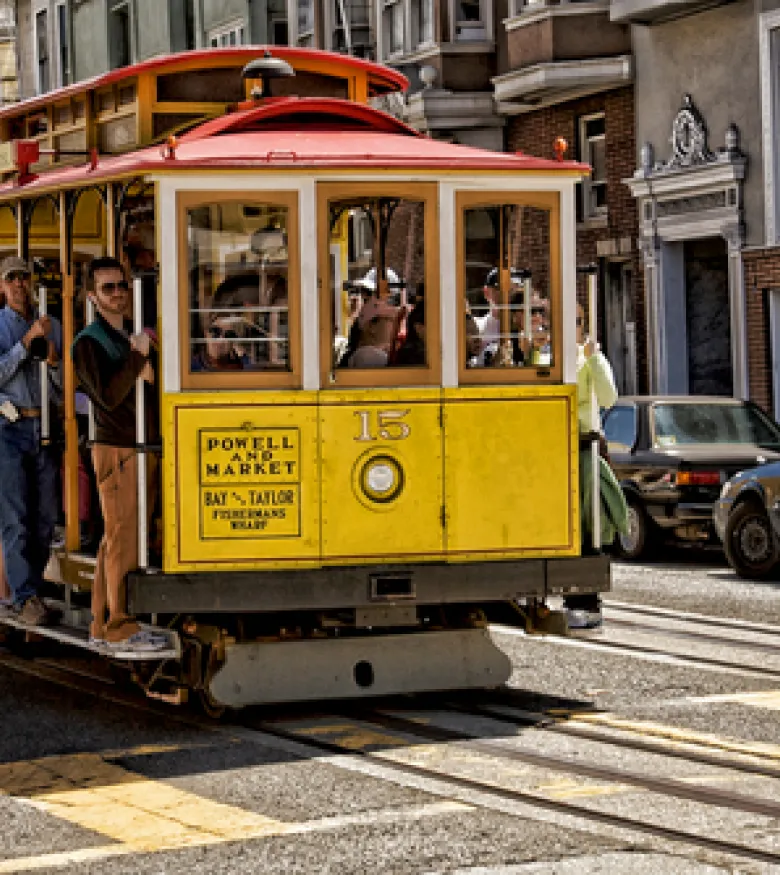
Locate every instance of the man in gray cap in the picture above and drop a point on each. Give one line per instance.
(28, 493)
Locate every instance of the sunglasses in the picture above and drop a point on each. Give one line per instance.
(227, 334)
(17, 276)
(121, 286)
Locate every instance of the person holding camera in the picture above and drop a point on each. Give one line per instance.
(28, 469)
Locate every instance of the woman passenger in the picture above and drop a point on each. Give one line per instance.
(412, 351)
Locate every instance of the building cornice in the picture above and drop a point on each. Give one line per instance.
(535, 14)
(531, 88)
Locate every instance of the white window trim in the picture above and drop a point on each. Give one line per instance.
(389, 54)
(486, 20)
(236, 26)
(770, 115)
(409, 47)
(598, 212)
(534, 10)
(130, 6)
(37, 9)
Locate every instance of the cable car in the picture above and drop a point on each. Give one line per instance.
(367, 370)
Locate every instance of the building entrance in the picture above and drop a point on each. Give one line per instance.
(707, 318)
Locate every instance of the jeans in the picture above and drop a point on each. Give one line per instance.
(28, 505)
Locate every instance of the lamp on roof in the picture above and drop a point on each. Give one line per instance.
(266, 68)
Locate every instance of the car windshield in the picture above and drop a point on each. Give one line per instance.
(712, 423)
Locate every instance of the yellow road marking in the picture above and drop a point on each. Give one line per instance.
(353, 736)
(363, 818)
(760, 749)
(90, 792)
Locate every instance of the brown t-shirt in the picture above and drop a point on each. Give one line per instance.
(110, 385)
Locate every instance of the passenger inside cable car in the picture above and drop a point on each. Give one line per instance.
(378, 282)
(239, 309)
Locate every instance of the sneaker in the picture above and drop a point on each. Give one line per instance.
(579, 619)
(8, 608)
(142, 642)
(35, 613)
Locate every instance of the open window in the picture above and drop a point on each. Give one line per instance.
(240, 290)
(509, 290)
(379, 265)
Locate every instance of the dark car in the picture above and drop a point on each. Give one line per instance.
(747, 520)
(673, 455)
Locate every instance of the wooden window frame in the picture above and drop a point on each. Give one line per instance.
(534, 374)
(249, 380)
(388, 377)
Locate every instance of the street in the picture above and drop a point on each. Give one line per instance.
(648, 746)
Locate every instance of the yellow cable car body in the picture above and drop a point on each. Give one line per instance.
(326, 530)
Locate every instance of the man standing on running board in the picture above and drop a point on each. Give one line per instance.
(108, 362)
(28, 471)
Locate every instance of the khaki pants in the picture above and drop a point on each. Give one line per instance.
(116, 471)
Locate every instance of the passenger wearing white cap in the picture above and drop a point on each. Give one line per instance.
(28, 471)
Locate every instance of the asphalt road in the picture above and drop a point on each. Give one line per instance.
(650, 746)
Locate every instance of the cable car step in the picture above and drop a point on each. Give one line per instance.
(79, 637)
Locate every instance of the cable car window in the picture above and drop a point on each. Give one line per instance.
(509, 275)
(379, 295)
(239, 292)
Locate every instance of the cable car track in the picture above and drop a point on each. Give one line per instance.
(104, 688)
(558, 806)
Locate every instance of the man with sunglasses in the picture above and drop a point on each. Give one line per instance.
(28, 471)
(108, 361)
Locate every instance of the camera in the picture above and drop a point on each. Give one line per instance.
(39, 349)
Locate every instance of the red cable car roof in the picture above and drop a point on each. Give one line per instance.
(381, 79)
(298, 133)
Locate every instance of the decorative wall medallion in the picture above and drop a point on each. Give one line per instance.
(689, 137)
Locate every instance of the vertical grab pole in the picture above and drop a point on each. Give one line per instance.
(140, 433)
(594, 447)
(45, 421)
(527, 317)
(91, 427)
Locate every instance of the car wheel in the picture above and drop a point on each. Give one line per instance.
(634, 544)
(750, 543)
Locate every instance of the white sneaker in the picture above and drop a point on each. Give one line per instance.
(579, 619)
(140, 642)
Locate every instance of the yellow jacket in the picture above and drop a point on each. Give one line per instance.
(593, 373)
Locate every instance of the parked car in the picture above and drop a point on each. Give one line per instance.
(672, 456)
(747, 521)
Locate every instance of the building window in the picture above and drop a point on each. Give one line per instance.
(42, 51)
(279, 32)
(232, 34)
(305, 35)
(422, 22)
(470, 20)
(592, 130)
(63, 42)
(393, 27)
(351, 28)
(120, 36)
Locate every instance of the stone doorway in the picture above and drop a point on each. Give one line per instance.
(707, 317)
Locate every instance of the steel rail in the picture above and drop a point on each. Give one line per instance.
(275, 730)
(693, 633)
(560, 726)
(706, 661)
(557, 806)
